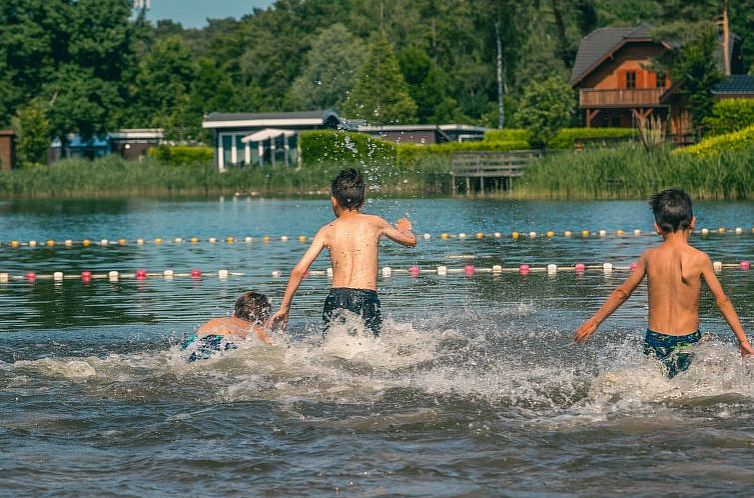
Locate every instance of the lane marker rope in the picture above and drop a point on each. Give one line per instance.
(266, 239)
(385, 272)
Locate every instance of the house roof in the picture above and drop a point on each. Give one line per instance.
(268, 119)
(602, 43)
(738, 84)
(266, 134)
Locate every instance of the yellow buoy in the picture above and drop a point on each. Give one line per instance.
(446, 236)
(194, 240)
(550, 234)
(302, 239)
(515, 235)
(266, 239)
(585, 233)
(229, 240)
(479, 235)
(50, 243)
(158, 241)
(122, 242)
(86, 242)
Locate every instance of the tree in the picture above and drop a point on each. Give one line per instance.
(164, 82)
(380, 94)
(694, 66)
(428, 86)
(545, 107)
(33, 134)
(331, 65)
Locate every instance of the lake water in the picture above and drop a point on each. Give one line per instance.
(474, 389)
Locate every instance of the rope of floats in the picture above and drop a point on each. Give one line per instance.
(385, 272)
(515, 235)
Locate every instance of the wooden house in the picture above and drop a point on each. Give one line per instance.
(7, 150)
(618, 86)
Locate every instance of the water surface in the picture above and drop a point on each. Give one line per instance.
(474, 389)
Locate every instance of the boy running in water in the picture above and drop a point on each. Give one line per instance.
(674, 273)
(352, 240)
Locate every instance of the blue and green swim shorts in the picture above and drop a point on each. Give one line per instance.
(668, 349)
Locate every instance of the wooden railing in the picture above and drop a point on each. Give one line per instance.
(590, 97)
(482, 164)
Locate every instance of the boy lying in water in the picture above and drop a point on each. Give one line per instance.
(251, 312)
(674, 272)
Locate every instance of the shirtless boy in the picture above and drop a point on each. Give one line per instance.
(674, 272)
(352, 240)
(251, 311)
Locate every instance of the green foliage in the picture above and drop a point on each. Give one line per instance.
(331, 65)
(180, 155)
(33, 134)
(717, 145)
(507, 135)
(567, 138)
(340, 147)
(380, 94)
(693, 66)
(545, 108)
(629, 172)
(730, 115)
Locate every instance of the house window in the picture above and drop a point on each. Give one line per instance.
(660, 80)
(631, 79)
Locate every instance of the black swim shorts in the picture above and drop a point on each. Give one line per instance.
(362, 302)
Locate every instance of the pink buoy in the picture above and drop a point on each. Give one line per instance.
(196, 273)
(31, 276)
(634, 266)
(141, 275)
(86, 276)
(745, 265)
(580, 267)
(414, 271)
(523, 269)
(469, 270)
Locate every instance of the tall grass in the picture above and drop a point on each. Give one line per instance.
(113, 176)
(630, 172)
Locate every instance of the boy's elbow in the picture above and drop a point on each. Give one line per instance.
(298, 272)
(411, 242)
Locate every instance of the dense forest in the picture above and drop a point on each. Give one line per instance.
(89, 66)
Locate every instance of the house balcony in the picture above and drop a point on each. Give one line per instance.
(591, 98)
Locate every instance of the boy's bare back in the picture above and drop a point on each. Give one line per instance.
(674, 283)
(352, 241)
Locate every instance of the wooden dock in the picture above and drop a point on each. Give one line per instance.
(501, 166)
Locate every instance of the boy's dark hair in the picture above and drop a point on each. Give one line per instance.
(348, 188)
(672, 209)
(253, 307)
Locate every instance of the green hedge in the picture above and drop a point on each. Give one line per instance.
(508, 135)
(730, 115)
(713, 146)
(179, 155)
(414, 156)
(346, 148)
(567, 138)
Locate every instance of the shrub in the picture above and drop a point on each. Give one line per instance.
(413, 155)
(730, 115)
(567, 138)
(345, 148)
(178, 155)
(507, 135)
(713, 146)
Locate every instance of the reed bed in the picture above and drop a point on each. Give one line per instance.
(631, 172)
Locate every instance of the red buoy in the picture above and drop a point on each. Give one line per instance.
(141, 275)
(524, 269)
(196, 273)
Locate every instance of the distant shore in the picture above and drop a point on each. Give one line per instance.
(627, 172)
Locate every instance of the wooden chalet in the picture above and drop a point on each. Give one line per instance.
(617, 86)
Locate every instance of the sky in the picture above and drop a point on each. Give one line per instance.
(194, 13)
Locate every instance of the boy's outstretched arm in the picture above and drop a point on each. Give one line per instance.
(725, 306)
(401, 233)
(280, 318)
(616, 299)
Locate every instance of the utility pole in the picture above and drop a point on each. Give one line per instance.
(500, 94)
(726, 39)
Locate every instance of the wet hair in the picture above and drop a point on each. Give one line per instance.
(348, 189)
(672, 209)
(253, 307)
